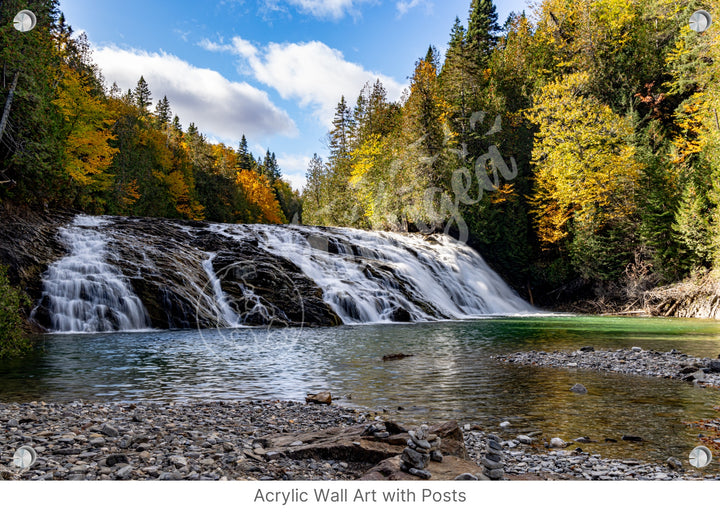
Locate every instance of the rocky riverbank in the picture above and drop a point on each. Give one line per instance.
(265, 440)
(634, 361)
(529, 458)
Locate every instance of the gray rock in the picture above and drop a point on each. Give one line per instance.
(674, 463)
(636, 349)
(125, 472)
(713, 366)
(579, 388)
(421, 473)
(491, 465)
(178, 461)
(419, 442)
(436, 456)
(557, 443)
(587, 349)
(414, 458)
(97, 442)
(13, 422)
(494, 457)
(492, 444)
(495, 475)
(466, 477)
(583, 439)
(114, 459)
(109, 430)
(524, 439)
(505, 424)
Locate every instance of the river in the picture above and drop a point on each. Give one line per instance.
(450, 375)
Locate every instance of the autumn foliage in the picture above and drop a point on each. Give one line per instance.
(70, 142)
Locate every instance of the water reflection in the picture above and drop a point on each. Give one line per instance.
(450, 375)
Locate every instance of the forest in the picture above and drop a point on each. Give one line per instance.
(70, 142)
(575, 144)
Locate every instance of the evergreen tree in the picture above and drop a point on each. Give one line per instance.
(482, 30)
(142, 95)
(162, 112)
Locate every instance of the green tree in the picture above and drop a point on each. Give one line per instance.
(13, 341)
(142, 94)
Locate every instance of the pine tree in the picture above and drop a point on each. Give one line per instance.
(245, 158)
(142, 95)
(270, 168)
(162, 112)
(482, 30)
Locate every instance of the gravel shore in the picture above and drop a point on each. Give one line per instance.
(223, 441)
(635, 361)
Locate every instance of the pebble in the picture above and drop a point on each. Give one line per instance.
(524, 439)
(634, 361)
(564, 464)
(167, 441)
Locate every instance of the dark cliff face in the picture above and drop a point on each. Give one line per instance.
(165, 263)
(29, 244)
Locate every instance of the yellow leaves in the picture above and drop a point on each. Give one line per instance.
(128, 193)
(258, 192)
(180, 195)
(504, 194)
(585, 168)
(87, 149)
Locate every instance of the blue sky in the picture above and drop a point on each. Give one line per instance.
(271, 69)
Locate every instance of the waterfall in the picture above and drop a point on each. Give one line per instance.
(82, 292)
(190, 274)
(374, 277)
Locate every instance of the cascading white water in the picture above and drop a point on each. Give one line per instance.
(85, 293)
(224, 312)
(370, 277)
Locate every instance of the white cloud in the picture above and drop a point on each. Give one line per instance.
(293, 168)
(404, 6)
(312, 73)
(218, 107)
(334, 9)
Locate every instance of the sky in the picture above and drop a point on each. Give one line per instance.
(273, 70)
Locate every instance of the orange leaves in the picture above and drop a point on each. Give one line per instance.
(259, 193)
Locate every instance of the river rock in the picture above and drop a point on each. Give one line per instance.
(713, 366)
(420, 473)
(631, 438)
(557, 443)
(323, 397)
(414, 458)
(674, 463)
(109, 430)
(524, 439)
(579, 388)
